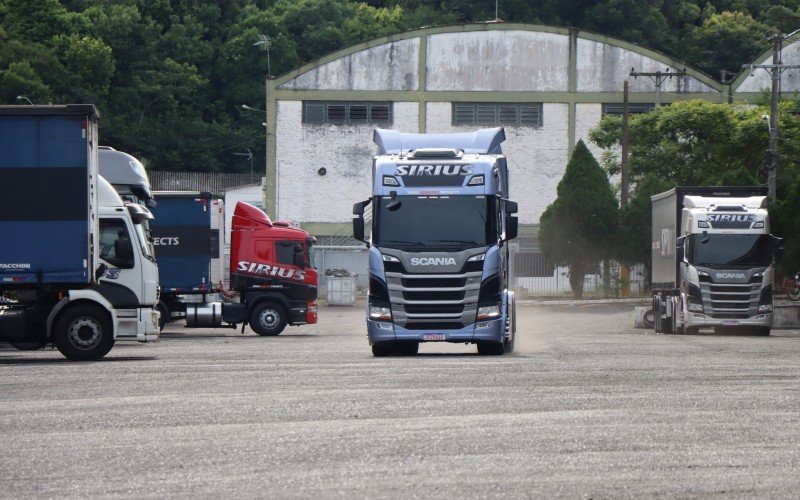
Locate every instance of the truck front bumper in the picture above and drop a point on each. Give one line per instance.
(482, 331)
(700, 320)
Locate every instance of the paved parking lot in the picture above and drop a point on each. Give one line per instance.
(588, 407)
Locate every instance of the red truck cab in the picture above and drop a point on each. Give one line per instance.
(272, 268)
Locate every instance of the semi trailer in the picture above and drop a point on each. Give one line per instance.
(713, 260)
(75, 265)
(188, 233)
(272, 272)
(438, 258)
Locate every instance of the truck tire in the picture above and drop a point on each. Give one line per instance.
(268, 319)
(164, 317)
(491, 348)
(657, 313)
(511, 326)
(83, 333)
(29, 346)
(407, 348)
(383, 349)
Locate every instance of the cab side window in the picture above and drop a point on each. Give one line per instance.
(285, 252)
(115, 243)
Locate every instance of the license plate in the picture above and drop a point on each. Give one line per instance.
(433, 336)
(730, 323)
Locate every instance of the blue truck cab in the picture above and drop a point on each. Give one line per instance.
(438, 258)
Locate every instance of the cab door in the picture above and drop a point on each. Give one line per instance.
(121, 279)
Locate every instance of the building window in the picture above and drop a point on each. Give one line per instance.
(347, 113)
(498, 114)
(615, 108)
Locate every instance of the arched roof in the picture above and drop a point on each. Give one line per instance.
(436, 59)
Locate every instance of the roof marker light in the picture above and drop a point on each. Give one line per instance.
(388, 180)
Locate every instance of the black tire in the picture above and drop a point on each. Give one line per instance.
(794, 293)
(491, 348)
(163, 318)
(83, 333)
(29, 346)
(268, 319)
(668, 325)
(407, 348)
(508, 344)
(692, 330)
(657, 313)
(383, 349)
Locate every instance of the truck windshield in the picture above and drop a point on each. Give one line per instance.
(731, 250)
(312, 253)
(141, 235)
(425, 222)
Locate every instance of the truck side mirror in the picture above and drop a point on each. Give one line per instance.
(680, 248)
(512, 227)
(511, 207)
(358, 227)
(358, 220)
(778, 249)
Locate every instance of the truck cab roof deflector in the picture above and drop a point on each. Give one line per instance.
(484, 141)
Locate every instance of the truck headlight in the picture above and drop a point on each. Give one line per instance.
(380, 313)
(488, 312)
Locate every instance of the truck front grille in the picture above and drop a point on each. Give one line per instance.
(729, 300)
(434, 301)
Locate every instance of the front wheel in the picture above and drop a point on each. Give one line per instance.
(84, 333)
(794, 293)
(491, 348)
(511, 326)
(268, 319)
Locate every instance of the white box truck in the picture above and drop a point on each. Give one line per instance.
(713, 260)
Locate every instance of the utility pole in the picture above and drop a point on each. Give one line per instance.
(775, 70)
(658, 78)
(624, 182)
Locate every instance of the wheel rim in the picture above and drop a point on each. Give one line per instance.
(269, 319)
(85, 333)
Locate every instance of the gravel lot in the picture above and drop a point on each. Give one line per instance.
(588, 407)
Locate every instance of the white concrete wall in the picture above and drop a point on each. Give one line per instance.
(537, 157)
(761, 78)
(390, 66)
(344, 150)
(603, 68)
(501, 60)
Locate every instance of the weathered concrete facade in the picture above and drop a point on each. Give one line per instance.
(749, 86)
(422, 73)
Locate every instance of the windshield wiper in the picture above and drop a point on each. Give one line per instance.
(404, 243)
(460, 242)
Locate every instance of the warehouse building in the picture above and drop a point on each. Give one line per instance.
(547, 86)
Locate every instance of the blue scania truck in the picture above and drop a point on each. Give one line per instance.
(438, 253)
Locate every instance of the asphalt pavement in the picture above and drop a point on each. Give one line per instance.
(587, 407)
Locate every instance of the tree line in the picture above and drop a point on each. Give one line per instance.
(170, 76)
(689, 143)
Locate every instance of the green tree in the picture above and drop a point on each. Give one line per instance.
(691, 143)
(725, 41)
(578, 229)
